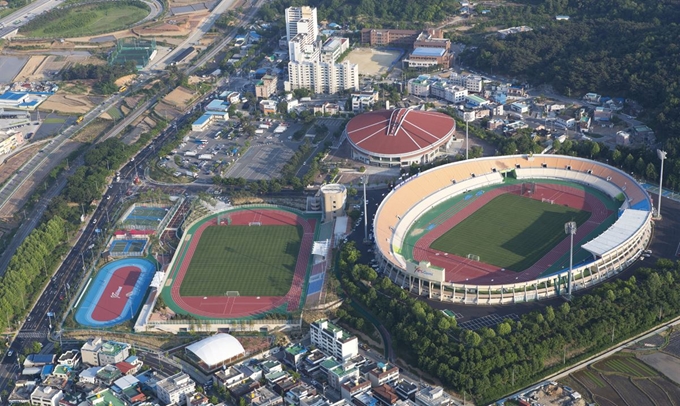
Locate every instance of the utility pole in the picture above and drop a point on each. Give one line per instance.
(662, 156)
(364, 180)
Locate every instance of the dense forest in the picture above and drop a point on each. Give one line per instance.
(491, 362)
(617, 48)
(370, 13)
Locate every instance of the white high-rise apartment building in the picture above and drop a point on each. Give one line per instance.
(311, 66)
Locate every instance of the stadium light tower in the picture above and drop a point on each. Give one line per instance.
(662, 156)
(570, 229)
(467, 116)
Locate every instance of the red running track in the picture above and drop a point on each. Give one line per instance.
(463, 270)
(241, 306)
(122, 282)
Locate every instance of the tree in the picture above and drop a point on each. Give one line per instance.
(616, 156)
(650, 172)
(640, 166)
(628, 162)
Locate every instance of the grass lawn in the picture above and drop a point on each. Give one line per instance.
(253, 260)
(114, 113)
(54, 120)
(510, 231)
(85, 20)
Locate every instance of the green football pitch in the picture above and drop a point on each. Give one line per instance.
(253, 260)
(510, 231)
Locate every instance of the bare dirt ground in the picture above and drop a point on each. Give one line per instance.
(166, 111)
(373, 61)
(179, 97)
(664, 363)
(125, 80)
(27, 72)
(93, 130)
(67, 104)
(14, 162)
(174, 26)
(36, 180)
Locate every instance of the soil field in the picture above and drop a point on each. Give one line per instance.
(97, 127)
(664, 363)
(602, 392)
(125, 80)
(67, 104)
(179, 97)
(631, 393)
(29, 70)
(670, 388)
(14, 162)
(654, 391)
(21, 196)
(373, 61)
(625, 365)
(673, 346)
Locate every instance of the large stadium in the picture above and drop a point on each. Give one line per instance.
(493, 230)
(243, 263)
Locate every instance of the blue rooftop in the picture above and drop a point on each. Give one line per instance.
(13, 96)
(217, 104)
(255, 35)
(431, 52)
(203, 119)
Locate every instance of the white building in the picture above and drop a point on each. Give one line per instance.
(432, 396)
(420, 86)
(333, 340)
(322, 77)
(333, 48)
(302, 20)
(362, 101)
(46, 396)
(175, 389)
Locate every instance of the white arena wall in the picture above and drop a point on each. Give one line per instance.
(613, 251)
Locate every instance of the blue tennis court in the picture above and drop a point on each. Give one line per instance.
(127, 246)
(145, 216)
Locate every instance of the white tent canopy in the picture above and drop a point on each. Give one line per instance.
(216, 349)
(321, 248)
(624, 228)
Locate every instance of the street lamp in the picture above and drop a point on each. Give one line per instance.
(570, 229)
(662, 156)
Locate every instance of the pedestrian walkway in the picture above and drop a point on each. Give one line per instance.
(666, 193)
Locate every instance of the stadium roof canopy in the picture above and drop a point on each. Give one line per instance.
(624, 228)
(216, 349)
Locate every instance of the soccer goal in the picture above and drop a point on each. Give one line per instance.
(551, 201)
(528, 188)
(255, 223)
(473, 257)
(232, 293)
(223, 220)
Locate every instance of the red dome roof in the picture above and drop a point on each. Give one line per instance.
(400, 131)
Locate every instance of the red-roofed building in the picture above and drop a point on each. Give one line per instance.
(127, 368)
(399, 137)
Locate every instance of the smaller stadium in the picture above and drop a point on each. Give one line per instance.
(114, 295)
(242, 263)
(498, 230)
(399, 137)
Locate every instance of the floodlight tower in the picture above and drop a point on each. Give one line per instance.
(570, 229)
(662, 156)
(364, 179)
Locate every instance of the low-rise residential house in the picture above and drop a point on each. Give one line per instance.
(383, 373)
(70, 358)
(592, 98)
(175, 389)
(229, 377)
(108, 374)
(285, 385)
(263, 397)
(341, 374)
(268, 106)
(584, 123)
(105, 397)
(520, 108)
(623, 138)
(565, 121)
(365, 399)
(363, 101)
(198, 399)
(89, 375)
(602, 114)
(45, 395)
(494, 123)
(497, 110)
(313, 361)
(353, 388)
(294, 354)
(517, 91)
(385, 395)
(420, 86)
(432, 396)
(406, 390)
(22, 392)
(294, 396)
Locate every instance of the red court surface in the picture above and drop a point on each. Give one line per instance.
(112, 302)
(225, 307)
(463, 270)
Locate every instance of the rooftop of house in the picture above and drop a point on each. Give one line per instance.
(105, 398)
